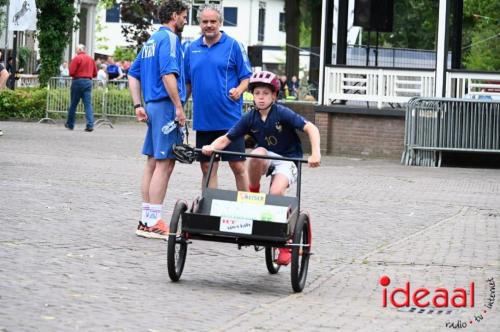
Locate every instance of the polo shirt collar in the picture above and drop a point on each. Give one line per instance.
(223, 37)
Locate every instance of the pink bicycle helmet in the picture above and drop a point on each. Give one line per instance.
(264, 78)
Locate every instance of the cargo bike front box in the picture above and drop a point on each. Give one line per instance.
(244, 218)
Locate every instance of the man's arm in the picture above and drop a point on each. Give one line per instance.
(219, 144)
(189, 89)
(170, 83)
(120, 74)
(73, 66)
(94, 71)
(235, 93)
(312, 131)
(134, 86)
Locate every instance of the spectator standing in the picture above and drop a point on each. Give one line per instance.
(63, 69)
(82, 69)
(102, 75)
(114, 70)
(4, 76)
(217, 73)
(158, 71)
(283, 93)
(293, 87)
(11, 81)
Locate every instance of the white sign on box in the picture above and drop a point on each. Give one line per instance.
(247, 211)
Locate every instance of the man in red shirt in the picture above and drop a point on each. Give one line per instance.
(82, 69)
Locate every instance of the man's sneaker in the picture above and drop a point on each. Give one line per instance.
(141, 230)
(284, 256)
(158, 231)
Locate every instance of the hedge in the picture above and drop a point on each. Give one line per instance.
(23, 103)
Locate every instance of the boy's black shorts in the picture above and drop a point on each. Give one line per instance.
(207, 137)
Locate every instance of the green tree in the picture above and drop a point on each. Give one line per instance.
(3, 3)
(140, 13)
(55, 23)
(481, 35)
(124, 53)
(415, 26)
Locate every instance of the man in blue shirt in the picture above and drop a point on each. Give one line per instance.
(158, 71)
(217, 73)
(273, 127)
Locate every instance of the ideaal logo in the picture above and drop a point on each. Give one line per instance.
(440, 297)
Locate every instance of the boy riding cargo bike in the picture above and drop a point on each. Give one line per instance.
(273, 221)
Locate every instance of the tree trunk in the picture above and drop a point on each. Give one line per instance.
(292, 19)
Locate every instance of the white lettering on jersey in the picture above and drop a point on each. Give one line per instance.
(149, 50)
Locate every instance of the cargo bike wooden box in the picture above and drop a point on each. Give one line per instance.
(246, 219)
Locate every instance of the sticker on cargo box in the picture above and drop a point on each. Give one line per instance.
(234, 225)
(251, 198)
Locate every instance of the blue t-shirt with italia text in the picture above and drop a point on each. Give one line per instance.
(212, 72)
(161, 55)
(276, 134)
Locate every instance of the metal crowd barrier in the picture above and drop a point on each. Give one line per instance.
(437, 125)
(109, 100)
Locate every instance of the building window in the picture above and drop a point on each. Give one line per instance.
(113, 14)
(262, 21)
(282, 22)
(230, 16)
(194, 16)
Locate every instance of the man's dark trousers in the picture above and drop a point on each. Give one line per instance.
(81, 88)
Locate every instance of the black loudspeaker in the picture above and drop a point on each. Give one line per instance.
(255, 55)
(374, 15)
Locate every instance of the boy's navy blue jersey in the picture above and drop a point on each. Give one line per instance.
(161, 55)
(212, 72)
(276, 134)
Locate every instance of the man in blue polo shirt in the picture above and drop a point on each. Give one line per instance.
(217, 73)
(158, 71)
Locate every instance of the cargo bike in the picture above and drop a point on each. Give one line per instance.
(246, 219)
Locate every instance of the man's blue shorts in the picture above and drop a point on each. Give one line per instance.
(207, 137)
(158, 141)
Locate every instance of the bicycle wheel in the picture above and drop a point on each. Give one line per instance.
(300, 252)
(177, 245)
(271, 256)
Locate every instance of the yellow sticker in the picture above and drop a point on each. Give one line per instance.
(251, 198)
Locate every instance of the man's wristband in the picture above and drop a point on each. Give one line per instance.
(136, 106)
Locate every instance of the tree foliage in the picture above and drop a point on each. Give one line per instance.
(481, 35)
(54, 25)
(2, 13)
(140, 13)
(415, 26)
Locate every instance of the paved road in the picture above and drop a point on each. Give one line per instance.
(69, 259)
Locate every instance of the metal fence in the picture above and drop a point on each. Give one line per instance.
(109, 100)
(437, 125)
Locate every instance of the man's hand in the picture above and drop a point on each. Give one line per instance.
(180, 116)
(235, 94)
(207, 150)
(140, 114)
(314, 160)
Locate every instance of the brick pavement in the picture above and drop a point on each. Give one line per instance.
(70, 260)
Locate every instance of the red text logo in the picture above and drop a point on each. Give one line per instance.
(423, 297)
